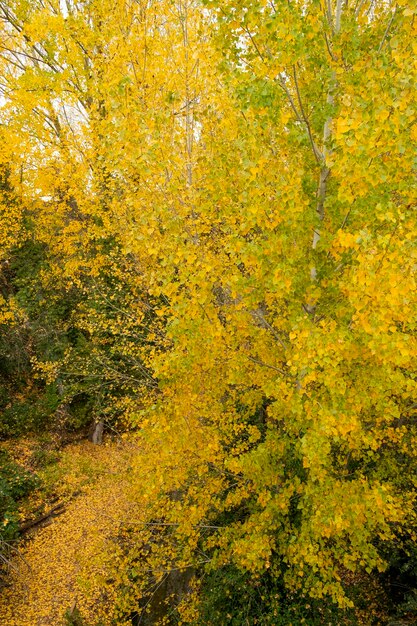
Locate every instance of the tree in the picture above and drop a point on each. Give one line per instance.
(297, 308)
(251, 167)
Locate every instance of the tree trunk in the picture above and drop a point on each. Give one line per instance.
(96, 432)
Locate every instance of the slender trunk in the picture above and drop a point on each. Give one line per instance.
(324, 169)
(188, 111)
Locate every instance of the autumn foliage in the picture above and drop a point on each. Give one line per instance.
(222, 201)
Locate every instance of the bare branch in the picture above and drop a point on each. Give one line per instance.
(290, 98)
(272, 367)
(385, 35)
(317, 153)
(359, 7)
(259, 315)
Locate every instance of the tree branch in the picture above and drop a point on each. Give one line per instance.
(385, 35)
(54, 512)
(318, 155)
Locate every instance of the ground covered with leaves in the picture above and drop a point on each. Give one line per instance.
(62, 566)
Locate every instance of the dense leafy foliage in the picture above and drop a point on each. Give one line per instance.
(219, 201)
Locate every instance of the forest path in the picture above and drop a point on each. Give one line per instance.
(63, 565)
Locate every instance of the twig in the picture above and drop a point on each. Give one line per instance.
(272, 367)
(384, 36)
(387, 248)
(171, 524)
(329, 50)
(317, 153)
(290, 98)
(359, 7)
(260, 316)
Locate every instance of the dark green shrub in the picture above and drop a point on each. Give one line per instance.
(232, 597)
(15, 483)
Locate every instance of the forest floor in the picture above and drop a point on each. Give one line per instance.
(62, 563)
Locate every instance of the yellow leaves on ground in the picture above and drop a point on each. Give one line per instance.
(66, 564)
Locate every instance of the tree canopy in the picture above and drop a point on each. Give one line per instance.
(207, 214)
